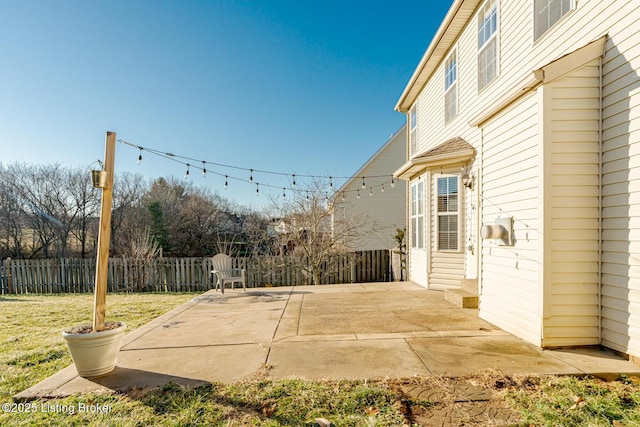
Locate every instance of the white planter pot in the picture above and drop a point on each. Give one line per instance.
(95, 353)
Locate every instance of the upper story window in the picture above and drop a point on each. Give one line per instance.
(451, 86)
(413, 133)
(487, 43)
(548, 12)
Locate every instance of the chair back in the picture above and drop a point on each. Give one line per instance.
(222, 264)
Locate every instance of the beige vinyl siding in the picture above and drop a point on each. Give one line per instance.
(571, 188)
(621, 186)
(513, 294)
(510, 295)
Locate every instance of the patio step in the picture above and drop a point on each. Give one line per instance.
(466, 297)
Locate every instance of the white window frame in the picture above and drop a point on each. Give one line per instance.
(488, 42)
(545, 6)
(413, 130)
(449, 213)
(417, 215)
(451, 86)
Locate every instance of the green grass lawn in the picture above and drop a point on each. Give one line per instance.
(32, 348)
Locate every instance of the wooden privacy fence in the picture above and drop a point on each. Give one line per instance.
(182, 274)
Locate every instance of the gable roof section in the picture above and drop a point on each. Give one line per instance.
(392, 140)
(451, 27)
(451, 151)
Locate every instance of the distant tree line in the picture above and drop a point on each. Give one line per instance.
(49, 211)
(52, 211)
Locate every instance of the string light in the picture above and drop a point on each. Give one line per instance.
(257, 189)
(284, 194)
(188, 162)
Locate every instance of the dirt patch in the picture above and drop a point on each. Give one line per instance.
(88, 328)
(464, 401)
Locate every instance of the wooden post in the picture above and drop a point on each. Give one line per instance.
(104, 236)
(7, 275)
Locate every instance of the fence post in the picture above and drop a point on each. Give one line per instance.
(7, 275)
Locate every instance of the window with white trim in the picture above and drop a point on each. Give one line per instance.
(487, 43)
(413, 132)
(448, 212)
(417, 215)
(547, 13)
(451, 86)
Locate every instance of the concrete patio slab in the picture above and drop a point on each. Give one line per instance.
(370, 330)
(466, 355)
(350, 359)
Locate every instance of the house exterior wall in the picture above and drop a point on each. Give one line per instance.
(571, 207)
(510, 293)
(621, 179)
(383, 211)
(563, 160)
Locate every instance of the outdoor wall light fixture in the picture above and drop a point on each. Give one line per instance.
(99, 177)
(468, 181)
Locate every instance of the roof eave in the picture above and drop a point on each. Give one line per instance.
(416, 165)
(444, 38)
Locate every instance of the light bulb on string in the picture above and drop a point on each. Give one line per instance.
(257, 189)
(294, 180)
(186, 174)
(371, 192)
(251, 176)
(342, 197)
(226, 182)
(330, 182)
(382, 189)
(284, 194)
(358, 194)
(140, 156)
(393, 182)
(363, 184)
(204, 169)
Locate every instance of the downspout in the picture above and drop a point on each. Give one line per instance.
(479, 214)
(600, 204)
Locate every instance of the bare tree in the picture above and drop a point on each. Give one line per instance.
(308, 234)
(86, 202)
(40, 189)
(129, 213)
(11, 220)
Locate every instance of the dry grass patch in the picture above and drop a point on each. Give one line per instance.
(31, 330)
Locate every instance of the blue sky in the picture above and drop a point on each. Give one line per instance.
(298, 87)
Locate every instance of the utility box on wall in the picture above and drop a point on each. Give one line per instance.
(502, 230)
